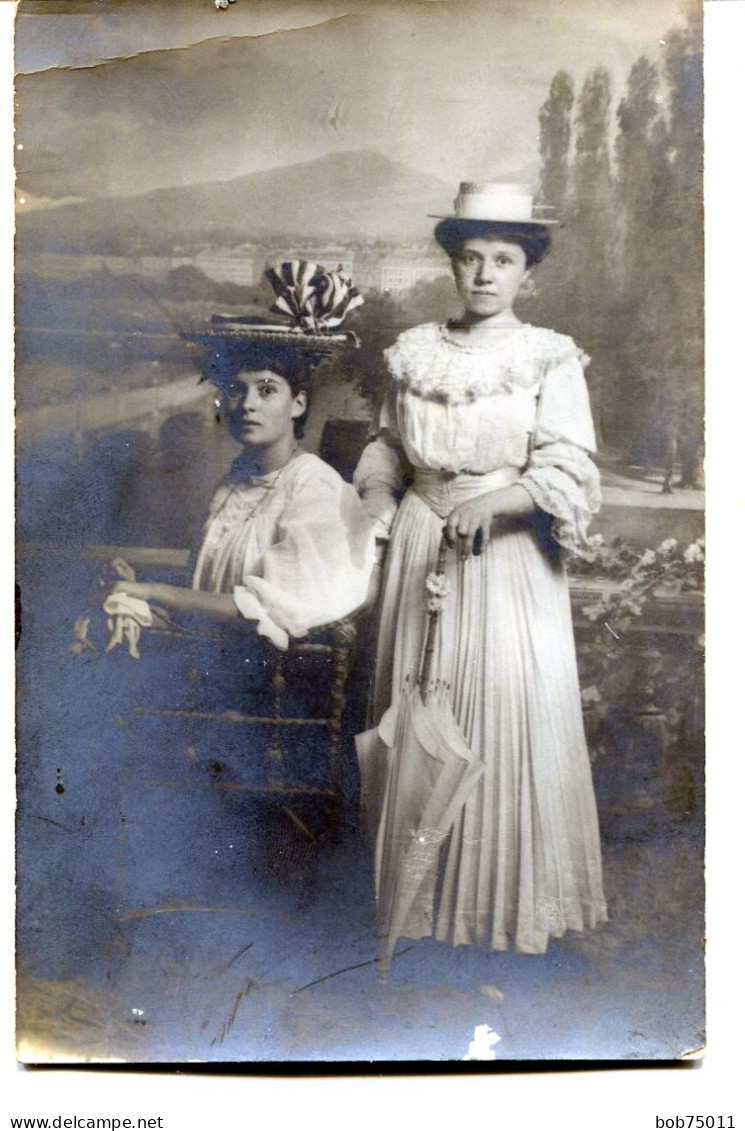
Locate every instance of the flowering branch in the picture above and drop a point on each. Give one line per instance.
(608, 674)
(666, 567)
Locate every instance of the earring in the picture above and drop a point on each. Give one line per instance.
(529, 288)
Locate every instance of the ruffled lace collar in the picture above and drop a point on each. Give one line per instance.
(431, 363)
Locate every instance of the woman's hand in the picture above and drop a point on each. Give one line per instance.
(469, 525)
(141, 589)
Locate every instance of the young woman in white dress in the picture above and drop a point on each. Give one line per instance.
(485, 433)
(287, 546)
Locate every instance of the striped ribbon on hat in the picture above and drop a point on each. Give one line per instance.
(296, 287)
(337, 296)
(315, 299)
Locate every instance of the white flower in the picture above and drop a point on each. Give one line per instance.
(668, 546)
(693, 553)
(596, 541)
(437, 585)
(648, 557)
(438, 588)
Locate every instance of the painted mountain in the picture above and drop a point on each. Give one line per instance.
(358, 195)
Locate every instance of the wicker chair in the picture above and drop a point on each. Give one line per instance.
(228, 710)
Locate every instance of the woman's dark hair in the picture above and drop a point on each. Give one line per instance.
(229, 358)
(534, 239)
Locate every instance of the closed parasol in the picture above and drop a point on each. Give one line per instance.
(417, 773)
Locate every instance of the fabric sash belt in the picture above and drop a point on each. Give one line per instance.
(443, 490)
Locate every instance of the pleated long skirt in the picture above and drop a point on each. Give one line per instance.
(522, 863)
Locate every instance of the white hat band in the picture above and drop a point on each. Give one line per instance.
(509, 203)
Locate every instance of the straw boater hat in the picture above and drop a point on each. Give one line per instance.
(488, 206)
(313, 303)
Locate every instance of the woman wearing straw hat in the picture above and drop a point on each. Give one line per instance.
(287, 546)
(488, 420)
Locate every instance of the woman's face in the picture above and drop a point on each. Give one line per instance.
(261, 408)
(488, 275)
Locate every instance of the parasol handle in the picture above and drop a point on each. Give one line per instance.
(441, 554)
(433, 617)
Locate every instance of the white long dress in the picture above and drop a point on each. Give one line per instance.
(294, 547)
(522, 862)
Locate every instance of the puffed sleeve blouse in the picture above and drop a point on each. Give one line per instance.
(520, 404)
(294, 548)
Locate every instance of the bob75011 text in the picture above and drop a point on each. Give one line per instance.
(700, 1121)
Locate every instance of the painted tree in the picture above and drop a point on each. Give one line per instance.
(642, 168)
(626, 273)
(683, 245)
(591, 285)
(555, 126)
(660, 202)
(592, 182)
(553, 306)
(642, 171)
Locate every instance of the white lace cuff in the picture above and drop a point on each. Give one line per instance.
(572, 499)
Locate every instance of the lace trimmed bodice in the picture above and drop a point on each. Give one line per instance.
(519, 404)
(430, 363)
(294, 548)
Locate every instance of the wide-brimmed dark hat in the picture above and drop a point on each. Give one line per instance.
(491, 206)
(314, 303)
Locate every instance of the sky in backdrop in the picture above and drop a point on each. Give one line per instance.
(121, 96)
